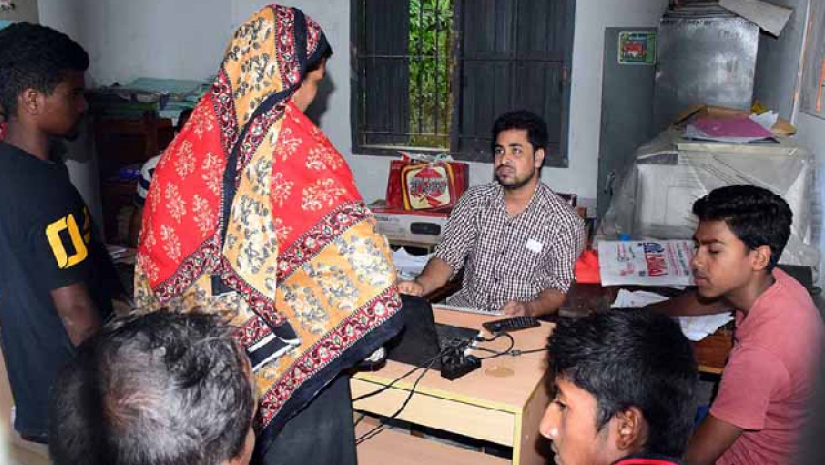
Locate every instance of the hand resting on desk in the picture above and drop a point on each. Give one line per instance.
(516, 308)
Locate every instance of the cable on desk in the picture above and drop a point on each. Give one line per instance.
(510, 350)
(373, 432)
(499, 354)
(388, 386)
(516, 352)
(376, 430)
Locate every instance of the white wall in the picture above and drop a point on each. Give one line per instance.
(811, 134)
(592, 17)
(186, 38)
(158, 38)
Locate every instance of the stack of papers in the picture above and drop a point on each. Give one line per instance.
(407, 265)
(736, 130)
(694, 328)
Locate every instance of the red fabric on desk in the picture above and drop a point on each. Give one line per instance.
(587, 268)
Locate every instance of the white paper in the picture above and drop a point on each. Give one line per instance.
(409, 265)
(646, 263)
(766, 120)
(697, 328)
(626, 298)
(694, 328)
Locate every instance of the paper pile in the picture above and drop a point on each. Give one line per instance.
(407, 265)
(694, 328)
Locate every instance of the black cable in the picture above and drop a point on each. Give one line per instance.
(516, 352)
(376, 430)
(507, 351)
(380, 427)
(392, 383)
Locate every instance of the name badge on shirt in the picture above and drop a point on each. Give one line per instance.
(534, 246)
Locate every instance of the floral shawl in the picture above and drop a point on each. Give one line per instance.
(253, 214)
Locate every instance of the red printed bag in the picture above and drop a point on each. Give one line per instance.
(421, 182)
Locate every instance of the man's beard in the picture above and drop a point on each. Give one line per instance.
(518, 184)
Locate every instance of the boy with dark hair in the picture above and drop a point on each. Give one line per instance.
(625, 383)
(769, 378)
(516, 240)
(162, 389)
(53, 292)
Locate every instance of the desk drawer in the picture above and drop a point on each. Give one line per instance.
(396, 448)
(448, 414)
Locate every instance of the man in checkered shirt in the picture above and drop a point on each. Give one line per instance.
(515, 238)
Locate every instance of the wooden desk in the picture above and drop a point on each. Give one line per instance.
(400, 448)
(502, 402)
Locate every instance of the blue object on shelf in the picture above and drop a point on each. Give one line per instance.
(701, 412)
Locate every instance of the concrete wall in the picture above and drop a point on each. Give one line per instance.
(592, 16)
(812, 135)
(185, 39)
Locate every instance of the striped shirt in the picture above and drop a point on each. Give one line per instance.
(510, 258)
(146, 173)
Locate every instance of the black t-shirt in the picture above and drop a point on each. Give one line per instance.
(46, 242)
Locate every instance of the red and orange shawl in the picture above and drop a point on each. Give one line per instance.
(252, 213)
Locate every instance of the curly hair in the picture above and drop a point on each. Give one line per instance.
(35, 57)
(754, 214)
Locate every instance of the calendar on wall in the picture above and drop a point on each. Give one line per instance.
(812, 93)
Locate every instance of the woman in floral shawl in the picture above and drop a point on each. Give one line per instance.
(252, 213)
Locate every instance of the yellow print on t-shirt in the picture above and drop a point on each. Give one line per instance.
(69, 224)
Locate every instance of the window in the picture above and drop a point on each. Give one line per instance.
(432, 75)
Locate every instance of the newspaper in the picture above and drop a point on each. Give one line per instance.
(646, 263)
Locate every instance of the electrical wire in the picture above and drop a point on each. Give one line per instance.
(388, 386)
(378, 429)
(505, 352)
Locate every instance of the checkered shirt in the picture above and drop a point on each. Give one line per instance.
(510, 258)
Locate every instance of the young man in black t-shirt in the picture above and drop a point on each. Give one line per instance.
(52, 269)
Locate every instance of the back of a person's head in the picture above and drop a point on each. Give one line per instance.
(524, 120)
(754, 214)
(632, 358)
(161, 389)
(35, 57)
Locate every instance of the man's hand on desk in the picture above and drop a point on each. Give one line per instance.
(547, 303)
(435, 275)
(412, 287)
(516, 308)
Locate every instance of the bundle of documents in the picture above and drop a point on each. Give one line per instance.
(694, 328)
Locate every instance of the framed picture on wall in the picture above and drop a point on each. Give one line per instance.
(637, 48)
